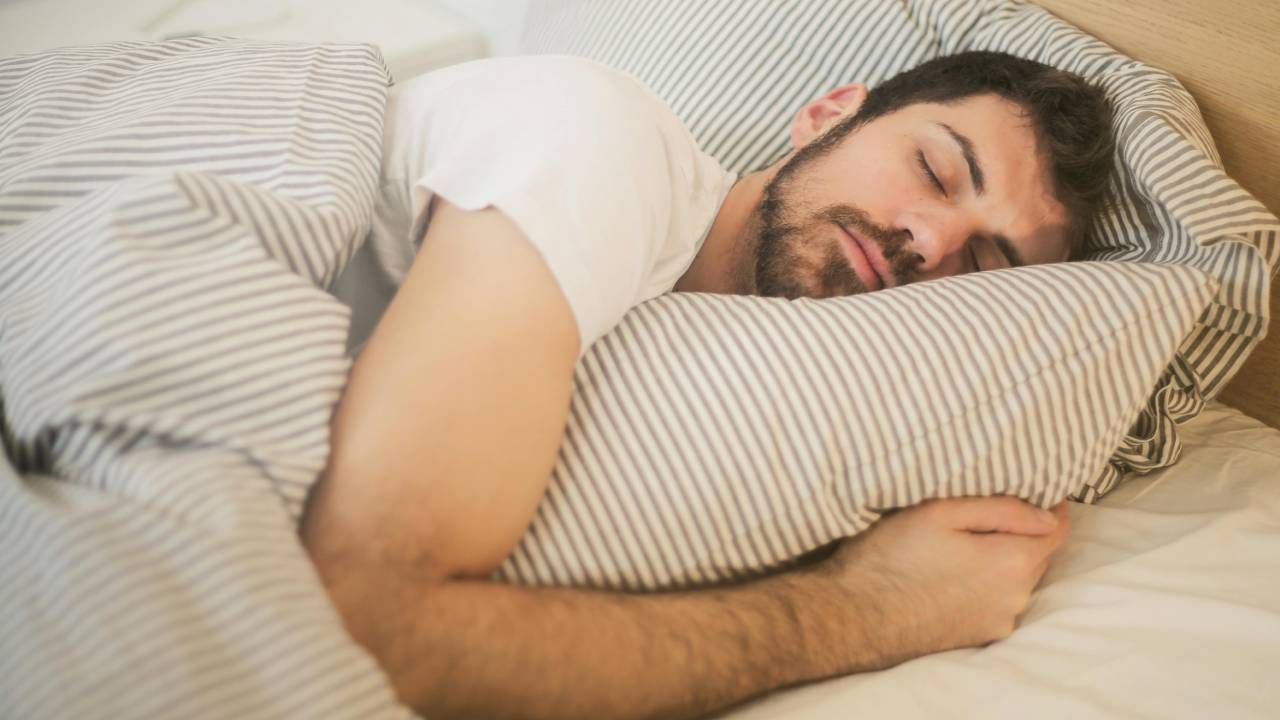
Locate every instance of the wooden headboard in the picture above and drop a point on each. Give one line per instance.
(1226, 53)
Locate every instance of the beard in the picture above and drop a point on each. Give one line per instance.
(795, 255)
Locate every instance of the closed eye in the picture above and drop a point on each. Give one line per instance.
(928, 171)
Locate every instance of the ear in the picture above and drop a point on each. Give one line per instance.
(819, 115)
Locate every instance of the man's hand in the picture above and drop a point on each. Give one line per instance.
(944, 574)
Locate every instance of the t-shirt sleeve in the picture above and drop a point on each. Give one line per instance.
(569, 152)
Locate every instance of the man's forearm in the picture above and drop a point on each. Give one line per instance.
(478, 649)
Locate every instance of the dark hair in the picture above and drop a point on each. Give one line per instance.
(1070, 117)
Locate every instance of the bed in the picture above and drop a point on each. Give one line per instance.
(128, 594)
(1164, 602)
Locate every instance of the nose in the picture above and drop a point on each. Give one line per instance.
(940, 239)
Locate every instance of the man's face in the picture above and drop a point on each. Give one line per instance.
(925, 192)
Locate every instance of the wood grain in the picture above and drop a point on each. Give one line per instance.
(1227, 54)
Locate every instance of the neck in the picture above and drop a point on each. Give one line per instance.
(726, 261)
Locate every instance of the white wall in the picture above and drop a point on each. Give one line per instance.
(499, 20)
(30, 25)
(415, 35)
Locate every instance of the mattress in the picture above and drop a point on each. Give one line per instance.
(1163, 603)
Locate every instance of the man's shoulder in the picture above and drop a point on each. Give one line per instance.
(574, 80)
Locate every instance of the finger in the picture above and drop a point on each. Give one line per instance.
(1051, 543)
(997, 514)
(1063, 529)
(1041, 569)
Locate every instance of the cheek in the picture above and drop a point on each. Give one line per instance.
(887, 196)
(887, 184)
(873, 175)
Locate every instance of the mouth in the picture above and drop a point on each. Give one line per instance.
(865, 259)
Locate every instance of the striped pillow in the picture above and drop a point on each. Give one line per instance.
(713, 437)
(736, 70)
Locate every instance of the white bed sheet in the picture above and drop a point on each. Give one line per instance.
(1164, 603)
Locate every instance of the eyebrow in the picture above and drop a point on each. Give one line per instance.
(970, 158)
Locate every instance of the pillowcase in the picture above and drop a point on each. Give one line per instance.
(713, 437)
(735, 71)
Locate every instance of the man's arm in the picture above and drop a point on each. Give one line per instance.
(942, 575)
(447, 431)
(442, 446)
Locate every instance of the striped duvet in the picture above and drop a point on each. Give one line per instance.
(169, 216)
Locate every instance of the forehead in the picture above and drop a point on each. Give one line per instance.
(1019, 200)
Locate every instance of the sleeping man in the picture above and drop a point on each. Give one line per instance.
(527, 204)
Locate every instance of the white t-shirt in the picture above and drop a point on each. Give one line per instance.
(601, 176)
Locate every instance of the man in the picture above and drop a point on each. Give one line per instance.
(549, 196)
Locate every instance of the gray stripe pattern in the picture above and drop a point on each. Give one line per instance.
(170, 214)
(712, 437)
(736, 70)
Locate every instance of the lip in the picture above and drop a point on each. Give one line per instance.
(865, 259)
